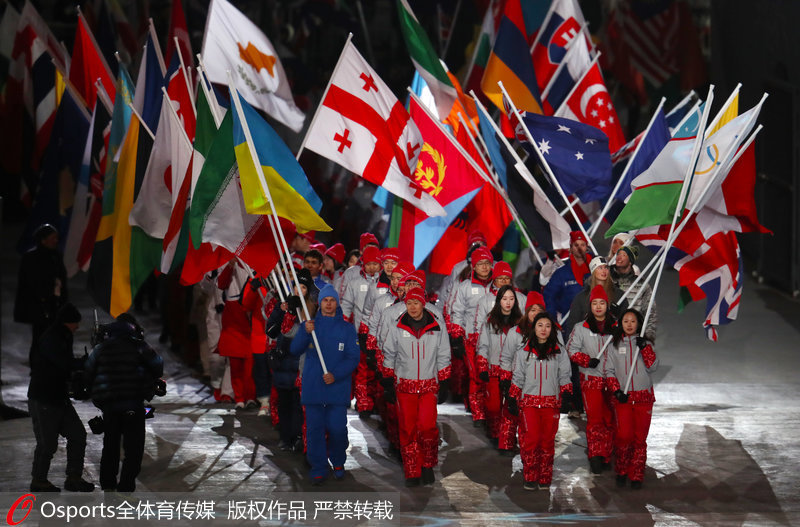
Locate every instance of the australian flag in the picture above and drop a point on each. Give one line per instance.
(577, 154)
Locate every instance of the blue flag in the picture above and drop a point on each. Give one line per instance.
(577, 153)
(657, 136)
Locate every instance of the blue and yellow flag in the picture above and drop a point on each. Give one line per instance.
(291, 192)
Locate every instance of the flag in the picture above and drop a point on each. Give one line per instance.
(577, 154)
(564, 24)
(88, 65)
(510, 62)
(647, 146)
(292, 195)
(571, 70)
(482, 46)
(425, 59)
(60, 168)
(43, 76)
(446, 174)
(680, 110)
(8, 30)
(487, 213)
(217, 214)
(591, 104)
(232, 42)
(549, 228)
(147, 100)
(106, 35)
(87, 197)
(649, 30)
(178, 29)
(364, 128)
(726, 114)
(119, 265)
(493, 148)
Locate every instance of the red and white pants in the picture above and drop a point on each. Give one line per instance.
(537, 442)
(419, 436)
(633, 425)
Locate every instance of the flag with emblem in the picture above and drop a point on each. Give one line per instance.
(363, 127)
(591, 104)
(577, 154)
(447, 175)
(233, 42)
(564, 23)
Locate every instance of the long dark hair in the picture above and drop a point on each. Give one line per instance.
(548, 348)
(526, 326)
(497, 319)
(618, 332)
(608, 323)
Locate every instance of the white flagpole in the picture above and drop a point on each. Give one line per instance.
(607, 206)
(175, 117)
(570, 204)
(547, 168)
(686, 117)
(564, 62)
(210, 97)
(185, 75)
(578, 83)
(141, 122)
(450, 32)
(324, 94)
(722, 110)
(520, 165)
(496, 185)
(265, 188)
(105, 99)
(682, 102)
(152, 30)
(546, 21)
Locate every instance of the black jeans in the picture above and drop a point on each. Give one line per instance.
(127, 427)
(51, 419)
(290, 415)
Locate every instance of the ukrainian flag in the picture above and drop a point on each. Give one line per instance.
(511, 63)
(291, 192)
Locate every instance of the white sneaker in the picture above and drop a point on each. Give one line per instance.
(264, 410)
(239, 405)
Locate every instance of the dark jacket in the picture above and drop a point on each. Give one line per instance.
(561, 290)
(122, 370)
(52, 364)
(338, 342)
(36, 301)
(283, 364)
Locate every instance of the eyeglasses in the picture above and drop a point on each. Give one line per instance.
(483, 264)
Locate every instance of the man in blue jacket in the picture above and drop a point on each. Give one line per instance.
(326, 396)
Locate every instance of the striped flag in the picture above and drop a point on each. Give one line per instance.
(650, 29)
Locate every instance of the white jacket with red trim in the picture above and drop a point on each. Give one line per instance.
(618, 364)
(490, 346)
(584, 345)
(538, 382)
(417, 359)
(464, 312)
(376, 293)
(354, 295)
(508, 353)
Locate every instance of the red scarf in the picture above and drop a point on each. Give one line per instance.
(579, 271)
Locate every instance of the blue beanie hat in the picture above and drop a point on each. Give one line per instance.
(327, 291)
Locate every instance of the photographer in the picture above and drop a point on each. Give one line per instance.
(51, 411)
(122, 372)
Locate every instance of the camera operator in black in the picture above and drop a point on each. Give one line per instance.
(122, 371)
(52, 413)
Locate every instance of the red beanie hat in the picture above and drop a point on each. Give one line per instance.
(481, 253)
(534, 298)
(598, 292)
(318, 247)
(576, 235)
(308, 235)
(476, 237)
(366, 238)
(403, 268)
(416, 293)
(370, 254)
(417, 276)
(390, 253)
(336, 252)
(501, 268)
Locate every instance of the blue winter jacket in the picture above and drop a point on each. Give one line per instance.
(560, 290)
(338, 342)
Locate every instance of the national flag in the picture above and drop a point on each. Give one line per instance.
(149, 82)
(364, 128)
(487, 213)
(591, 104)
(217, 214)
(43, 76)
(510, 63)
(564, 23)
(445, 173)
(8, 30)
(178, 29)
(232, 42)
(493, 148)
(86, 197)
(577, 154)
(680, 110)
(105, 32)
(647, 146)
(425, 59)
(650, 29)
(60, 168)
(292, 195)
(119, 265)
(482, 46)
(573, 67)
(88, 65)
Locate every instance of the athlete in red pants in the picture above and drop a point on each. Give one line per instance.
(541, 375)
(631, 355)
(584, 344)
(416, 361)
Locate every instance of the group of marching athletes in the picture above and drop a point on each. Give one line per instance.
(375, 335)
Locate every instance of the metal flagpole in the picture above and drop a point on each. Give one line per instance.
(280, 238)
(185, 73)
(607, 206)
(548, 170)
